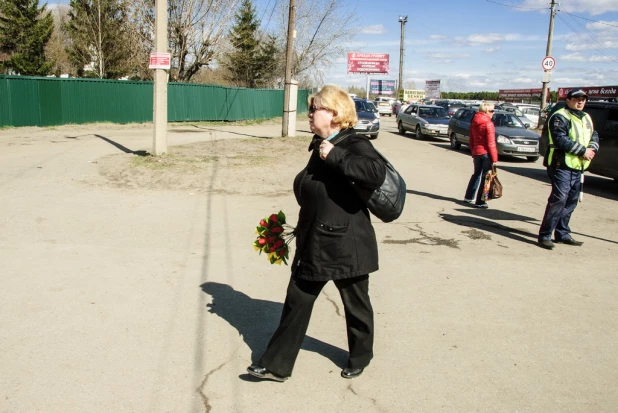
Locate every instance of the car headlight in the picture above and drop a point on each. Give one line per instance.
(503, 139)
(375, 121)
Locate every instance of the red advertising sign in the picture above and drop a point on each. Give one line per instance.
(368, 63)
(159, 60)
(591, 91)
(519, 93)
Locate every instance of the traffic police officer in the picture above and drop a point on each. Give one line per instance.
(572, 145)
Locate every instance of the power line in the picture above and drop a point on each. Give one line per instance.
(590, 20)
(586, 40)
(516, 7)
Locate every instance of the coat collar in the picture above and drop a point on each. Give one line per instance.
(315, 142)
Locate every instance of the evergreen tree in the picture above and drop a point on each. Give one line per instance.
(251, 63)
(25, 29)
(98, 30)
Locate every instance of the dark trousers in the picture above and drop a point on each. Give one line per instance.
(285, 344)
(482, 165)
(565, 187)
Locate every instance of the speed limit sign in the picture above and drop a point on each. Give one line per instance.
(548, 63)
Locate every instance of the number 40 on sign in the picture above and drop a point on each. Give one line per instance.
(548, 63)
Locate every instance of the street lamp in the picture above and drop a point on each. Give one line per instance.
(402, 20)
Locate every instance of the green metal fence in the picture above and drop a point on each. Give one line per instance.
(43, 101)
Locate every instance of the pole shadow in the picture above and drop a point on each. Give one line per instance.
(256, 320)
(122, 147)
(493, 227)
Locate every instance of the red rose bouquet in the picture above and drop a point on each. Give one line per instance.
(273, 238)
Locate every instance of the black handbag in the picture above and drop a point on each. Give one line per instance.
(388, 200)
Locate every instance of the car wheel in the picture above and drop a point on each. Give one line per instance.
(419, 135)
(532, 158)
(454, 143)
(402, 131)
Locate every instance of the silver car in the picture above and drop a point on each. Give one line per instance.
(424, 120)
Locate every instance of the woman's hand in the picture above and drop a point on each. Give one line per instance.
(325, 148)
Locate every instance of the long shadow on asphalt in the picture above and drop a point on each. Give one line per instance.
(593, 184)
(256, 321)
(484, 219)
(491, 226)
(122, 147)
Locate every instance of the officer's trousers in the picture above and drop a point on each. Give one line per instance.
(565, 187)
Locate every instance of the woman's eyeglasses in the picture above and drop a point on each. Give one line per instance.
(314, 108)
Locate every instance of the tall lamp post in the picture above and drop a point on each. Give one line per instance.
(402, 20)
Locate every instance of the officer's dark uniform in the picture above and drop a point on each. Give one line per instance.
(570, 133)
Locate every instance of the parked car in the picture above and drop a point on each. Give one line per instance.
(423, 120)
(512, 136)
(451, 107)
(384, 105)
(368, 120)
(531, 113)
(605, 121)
(373, 108)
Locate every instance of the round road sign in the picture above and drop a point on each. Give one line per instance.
(548, 63)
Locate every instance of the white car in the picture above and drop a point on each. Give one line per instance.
(532, 114)
(384, 105)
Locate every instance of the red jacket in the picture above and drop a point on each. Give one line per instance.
(483, 136)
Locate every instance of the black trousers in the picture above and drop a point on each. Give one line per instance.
(285, 344)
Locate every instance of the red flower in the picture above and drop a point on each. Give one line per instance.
(263, 223)
(282, 252)
(272, 249)
(277, 230)
(278, 243)
(273, 218)
(261, 241)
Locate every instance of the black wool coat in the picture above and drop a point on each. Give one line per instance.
(334, 235)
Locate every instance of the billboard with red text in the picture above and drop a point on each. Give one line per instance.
(369, 63)
(591, 91)
(507, 94)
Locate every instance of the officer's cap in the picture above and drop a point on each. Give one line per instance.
(576, 93)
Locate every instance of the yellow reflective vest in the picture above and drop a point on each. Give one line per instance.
(581, 131)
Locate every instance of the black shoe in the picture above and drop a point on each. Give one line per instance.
(570, 241)
(484, 205)
(350, 373)
(264, 373)
(547, 244)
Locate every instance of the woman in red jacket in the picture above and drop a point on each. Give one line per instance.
(484, 153)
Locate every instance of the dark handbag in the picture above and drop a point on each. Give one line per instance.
(388, 200)
(495, 187)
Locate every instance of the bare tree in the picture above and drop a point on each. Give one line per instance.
(323, 30)
(55, 50)
(195, 32)
(98, 30)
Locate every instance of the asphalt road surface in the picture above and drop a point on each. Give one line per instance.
(140, 300)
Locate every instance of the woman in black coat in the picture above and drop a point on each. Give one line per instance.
(334, 236)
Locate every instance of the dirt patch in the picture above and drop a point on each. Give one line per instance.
(476, 234)
(234, 166)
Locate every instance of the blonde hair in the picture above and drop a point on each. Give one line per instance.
(337, 100)
(486, 107)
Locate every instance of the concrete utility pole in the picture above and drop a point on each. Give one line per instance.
(289, 115)
(402, 20)
(550, 37)
(160, 81)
